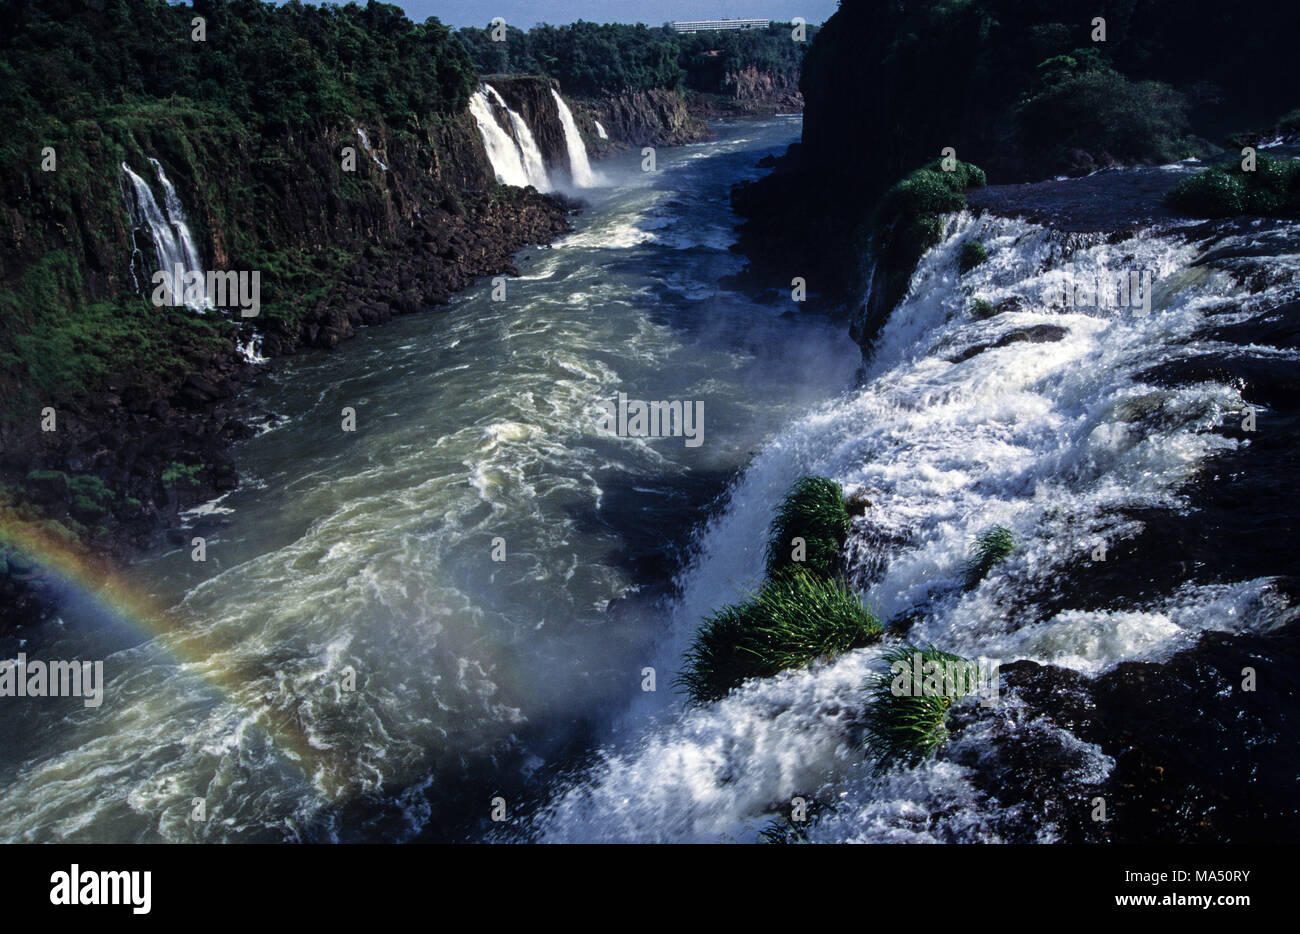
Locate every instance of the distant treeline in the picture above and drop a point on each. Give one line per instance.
(271, 66)
(592, 58)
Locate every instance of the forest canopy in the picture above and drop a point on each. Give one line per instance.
(272, 67)
(592, 59)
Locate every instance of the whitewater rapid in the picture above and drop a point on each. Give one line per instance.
(1055, 440)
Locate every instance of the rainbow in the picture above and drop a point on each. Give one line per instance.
(72, 566)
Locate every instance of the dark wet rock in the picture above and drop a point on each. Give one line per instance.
(1035, 334)
(1197, 758)
(1110, 200)
(1277, 327)
(1268, 381)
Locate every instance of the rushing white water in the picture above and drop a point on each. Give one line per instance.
(530, 155)
(251, 348)
(169, 232)
(579, 165)
(371, 551)
(507, 161)
(1052, 440)
(600, 131)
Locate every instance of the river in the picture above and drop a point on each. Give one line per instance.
(397, 624)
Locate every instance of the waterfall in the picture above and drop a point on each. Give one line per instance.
(530, 156)
(169, 232)
(365, 141)
(579, 167)
(600, 131)
(507, 162)
(1040, 417)
(250, 348)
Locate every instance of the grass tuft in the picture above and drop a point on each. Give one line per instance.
(814, 510)
(909, 218)
(1272, 190)
(907, 720)
(990, 548)
(972, 254)
(795, 618)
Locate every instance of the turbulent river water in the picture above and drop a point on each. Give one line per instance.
(372, 552)
(352, 664)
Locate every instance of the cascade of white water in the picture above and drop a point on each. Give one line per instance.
(169, 232)
(959, 424)
(180, 223)
(507, 161)
(530, 155)
(579, 166)
(600, 131)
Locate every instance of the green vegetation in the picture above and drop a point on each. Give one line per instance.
(231, 118)
(795, 618)
(909, 220)
(972, 254)
(53, 357)
(991, 547)
(591, 59)
(982, 308)
(271, 66)
(1080, 102)
(177, 473)
(1272, 190)
(814, 510)
(907, 719)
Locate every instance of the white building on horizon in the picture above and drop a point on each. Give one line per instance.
(711, 25)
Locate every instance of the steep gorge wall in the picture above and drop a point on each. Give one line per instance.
(888, 86)
(334, 249)
(657, 117)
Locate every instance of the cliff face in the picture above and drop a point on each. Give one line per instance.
(750, 91)
(888, 86)
(642, 118)
(147, 399)
(530, 97)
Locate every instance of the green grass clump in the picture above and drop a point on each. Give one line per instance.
(1272, 190)
(907, 720)
(909, 219)
(813, 510)
(972, 254)
(795, 618)
(990, 548)
(982, 308)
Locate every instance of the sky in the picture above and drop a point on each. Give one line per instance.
(527, 13)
